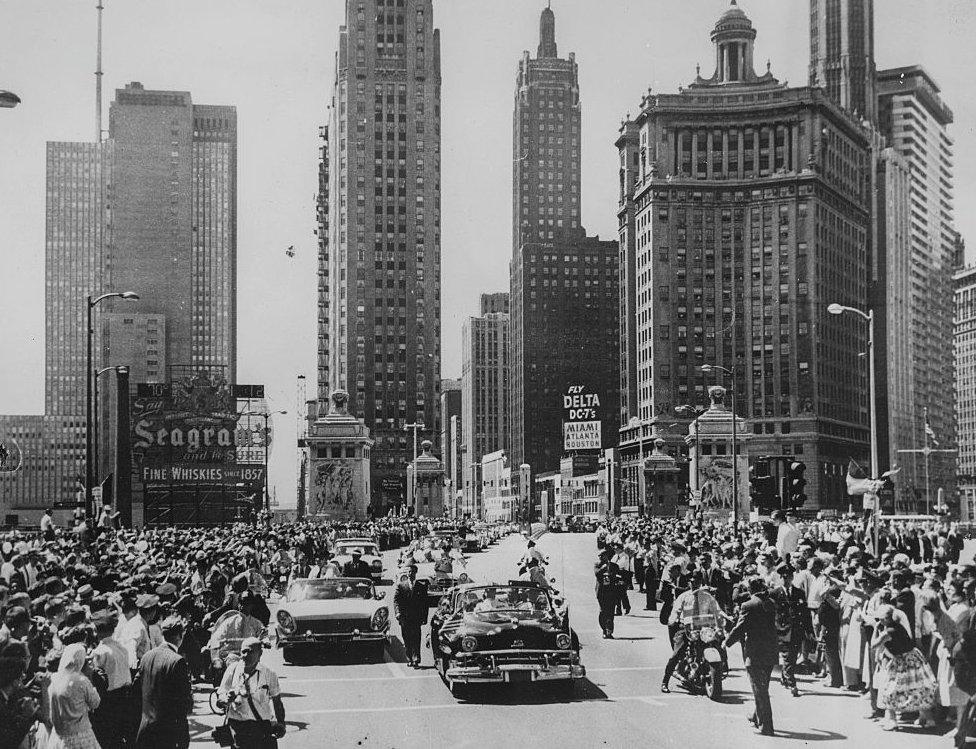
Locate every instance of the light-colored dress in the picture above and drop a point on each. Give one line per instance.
(72, 698)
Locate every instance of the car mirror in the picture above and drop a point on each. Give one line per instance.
(380, 595)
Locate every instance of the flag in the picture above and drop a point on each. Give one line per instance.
(931, 433)
(858, 481)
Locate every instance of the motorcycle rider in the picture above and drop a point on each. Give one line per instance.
(694, 602)
(231, 631)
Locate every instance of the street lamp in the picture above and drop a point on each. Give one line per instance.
(8, 99)
(267, 448)
(735, 447)
(89, 382)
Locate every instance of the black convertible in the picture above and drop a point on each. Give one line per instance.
(503, 633)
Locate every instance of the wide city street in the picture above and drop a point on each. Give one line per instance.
(344, 700)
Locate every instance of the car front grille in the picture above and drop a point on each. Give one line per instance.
(332, 626)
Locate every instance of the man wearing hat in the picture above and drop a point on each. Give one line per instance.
(109, 719)
(255, 712)
(791, 623)
(167, 695)
(356, 567)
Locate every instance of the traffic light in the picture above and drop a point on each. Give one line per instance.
(796, 485)
(762, 486)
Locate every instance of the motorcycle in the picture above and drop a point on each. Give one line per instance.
(701, 669)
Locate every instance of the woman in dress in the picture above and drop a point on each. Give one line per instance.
(72, 698)
(904, 680)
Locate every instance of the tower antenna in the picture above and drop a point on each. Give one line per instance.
(98, 77)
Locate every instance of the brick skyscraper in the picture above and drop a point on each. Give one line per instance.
(564, 286)
(743, 214)
(380, 231)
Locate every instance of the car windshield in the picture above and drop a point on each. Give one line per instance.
(524, 601)
(364, 549)
(329, 589)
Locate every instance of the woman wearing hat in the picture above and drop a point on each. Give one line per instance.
(904, 681)
(72, 698)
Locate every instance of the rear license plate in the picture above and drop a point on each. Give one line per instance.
(520, 676)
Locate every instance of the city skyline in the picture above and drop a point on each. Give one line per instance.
(277, 186)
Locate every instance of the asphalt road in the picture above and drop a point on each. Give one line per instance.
(345, 701)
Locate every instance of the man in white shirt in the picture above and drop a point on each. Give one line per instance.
(255, 712)
(787, 534)
(47, 525)
(109, 657)
(132, 633)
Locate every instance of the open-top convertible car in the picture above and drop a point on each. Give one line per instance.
(503, 633)
(326, 611)
(370, 552)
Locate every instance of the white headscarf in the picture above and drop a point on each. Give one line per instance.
(70, 665)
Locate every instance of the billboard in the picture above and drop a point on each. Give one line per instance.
(581, 419)
(215, 474)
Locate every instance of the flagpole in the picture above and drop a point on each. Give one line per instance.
(925, 411)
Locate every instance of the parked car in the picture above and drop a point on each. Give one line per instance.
(501, 634)
(367, 547)
(324, 612)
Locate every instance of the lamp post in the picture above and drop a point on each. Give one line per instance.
(267, 448)
(89, 382)
(840, 309)
(735, 446)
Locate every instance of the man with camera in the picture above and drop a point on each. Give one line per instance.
(255, 713)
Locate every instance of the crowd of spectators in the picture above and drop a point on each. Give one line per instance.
(81, 608)
(892, 620)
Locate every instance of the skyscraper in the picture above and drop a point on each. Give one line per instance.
(914, 120)
(743, 215)
(965, 386)
(485, 382)
(450, 441)
(564, 286)
(380, 230)
(842, 53)
(174, 223)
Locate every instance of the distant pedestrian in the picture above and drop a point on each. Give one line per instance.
(47, 525)
(410, 608)
(608, 583)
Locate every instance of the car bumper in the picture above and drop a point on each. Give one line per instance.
(514, 672)
(309, 638)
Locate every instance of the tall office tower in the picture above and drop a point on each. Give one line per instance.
(914, 120)
(485, 346)
(564, 288)
(174, 224)
(79, 178)
(744, 214)
(380, 231)
(842, 54)
(891, 301)
(965, 386)
(497, 302)
(450, 441)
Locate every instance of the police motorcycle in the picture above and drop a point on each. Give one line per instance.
(701, 669)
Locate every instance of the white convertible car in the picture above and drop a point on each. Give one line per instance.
(324, 612)
(371, 554)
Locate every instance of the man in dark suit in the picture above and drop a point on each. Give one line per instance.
(608, 582)
(756, 629)
(167, 695)
(410, 608)
(356, 567)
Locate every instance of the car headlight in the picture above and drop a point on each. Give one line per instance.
(287, 622)
(707, 634)
(563, 641)
(381, 618)
(377, 564)
(469, 644)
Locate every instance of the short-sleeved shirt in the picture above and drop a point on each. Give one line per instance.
(261, 686)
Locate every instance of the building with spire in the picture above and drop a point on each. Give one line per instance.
(564, 284)
(743, 213)
(379, 228)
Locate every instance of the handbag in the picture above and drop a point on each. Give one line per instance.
(222, 735)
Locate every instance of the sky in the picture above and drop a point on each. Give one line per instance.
(274, 60)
